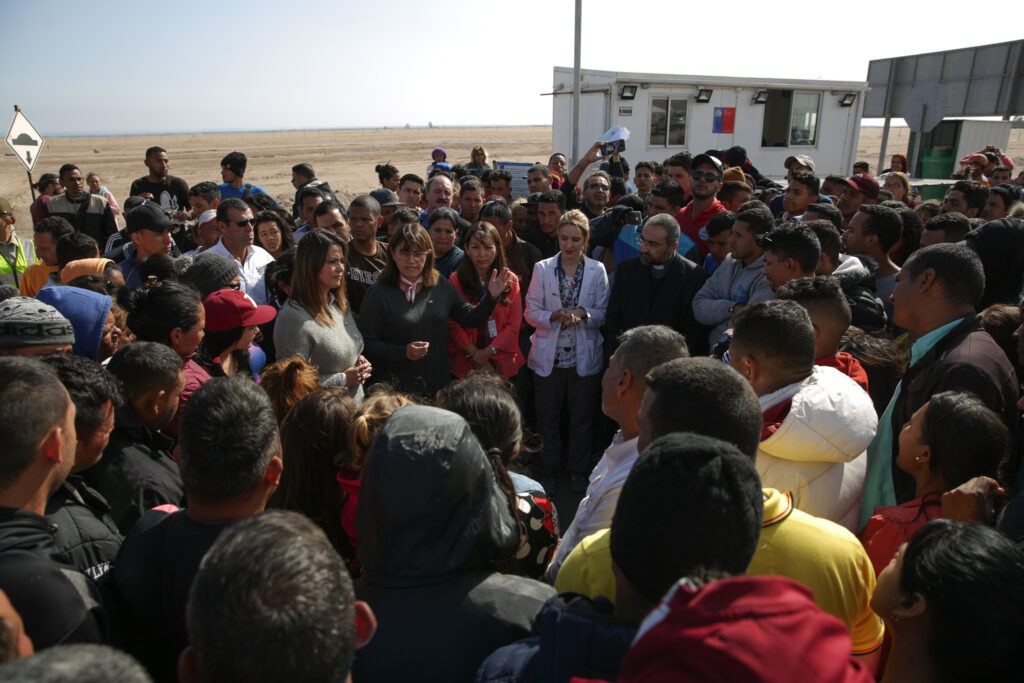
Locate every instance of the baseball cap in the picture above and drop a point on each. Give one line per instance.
(862, 182)
(976, 158)
(707, 159)
(533, 198)
(385, 197)
(5, 207)
(149, 216)
(227, 309)
(801, 159)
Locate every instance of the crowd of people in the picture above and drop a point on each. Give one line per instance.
(332, 432)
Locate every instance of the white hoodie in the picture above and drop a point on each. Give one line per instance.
(817, 453)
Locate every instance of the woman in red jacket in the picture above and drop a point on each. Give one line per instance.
(495, 345)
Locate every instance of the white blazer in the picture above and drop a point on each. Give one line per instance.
(543, 299)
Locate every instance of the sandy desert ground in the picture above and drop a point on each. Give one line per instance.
(345, 158)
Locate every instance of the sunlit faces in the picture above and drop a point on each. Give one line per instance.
(903, 298)
(1000, 176)
(46, 248)
(93, 181)
(500, 188)
(995, 208)
(887, 596)
(855, 238)
(705, 181)
(797, 198)
(548, 214)
(571, 242)
(227, 175)
(656, 205)
(470, 204)
(409, 259)
(270, 236)
(335, 222)
(442, 234)
(644, 179)
(411, 193)
(199, 205)
(895, 185)
(718, 246)
(362, 224)
(680, 175)
(185, 342)
(207, 234)
(558, 165)
(956, 201)
(912, 442)
(237, 236)
(73, 182)
(596, 194)
(743, 243)
(778, 270)
(440, 193)
(333, 271)
(536, 181)
(654, 245)
(148, 242)
(307, 210)
(158, 164)
(850, 201)
(481, 251)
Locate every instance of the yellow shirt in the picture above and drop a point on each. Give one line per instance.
(34, 278)
(818, 553)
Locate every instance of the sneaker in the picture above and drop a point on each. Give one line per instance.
(550, 485)
(579, 482)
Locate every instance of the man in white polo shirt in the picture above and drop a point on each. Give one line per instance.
(236, 242)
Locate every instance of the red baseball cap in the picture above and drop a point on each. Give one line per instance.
(862, 182)
(227, 309)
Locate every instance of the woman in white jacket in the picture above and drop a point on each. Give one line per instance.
(566, 304)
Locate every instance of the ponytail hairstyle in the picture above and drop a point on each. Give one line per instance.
(287, 382)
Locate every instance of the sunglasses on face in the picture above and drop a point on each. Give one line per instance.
(242, 222)
(705, 175)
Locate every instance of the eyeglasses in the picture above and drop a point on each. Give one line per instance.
(651, 244)
(407, 255)
(242, 222)
(600, 186)
(709, 176)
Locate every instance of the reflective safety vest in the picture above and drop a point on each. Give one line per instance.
(25, 254)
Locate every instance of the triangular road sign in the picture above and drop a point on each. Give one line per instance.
(25, 140)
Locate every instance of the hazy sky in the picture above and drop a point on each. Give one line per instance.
(130, 67)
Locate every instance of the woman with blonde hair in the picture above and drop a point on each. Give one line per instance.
(367, 421)
(404, 316)
(478, 162)
(316, 323)
(566, 304)
(898, 184)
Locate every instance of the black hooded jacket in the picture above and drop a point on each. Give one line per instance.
(1000, 245)
(84, 534)
(431, 520)
(57, 603)
(858, 284)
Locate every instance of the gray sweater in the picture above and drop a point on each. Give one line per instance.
(389, 323)
(331, 349)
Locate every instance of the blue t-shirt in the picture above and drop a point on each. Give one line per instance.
(226, 190)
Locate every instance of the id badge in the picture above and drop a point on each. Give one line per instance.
(492, 328)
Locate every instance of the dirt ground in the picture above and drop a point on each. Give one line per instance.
(344, 158)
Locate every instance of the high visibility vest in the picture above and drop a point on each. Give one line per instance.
(23, 256)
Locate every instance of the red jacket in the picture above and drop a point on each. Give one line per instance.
(848, 365)
(892, 526)
(507, 318)
(690, 225)
(749, 628)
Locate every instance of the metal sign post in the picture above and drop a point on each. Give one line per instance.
(26, 143)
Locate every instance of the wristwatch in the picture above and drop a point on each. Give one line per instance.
(494, 351)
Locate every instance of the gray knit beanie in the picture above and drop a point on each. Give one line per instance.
(210, 272)
(28, 322)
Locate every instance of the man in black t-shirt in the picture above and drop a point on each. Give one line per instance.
(170, 192)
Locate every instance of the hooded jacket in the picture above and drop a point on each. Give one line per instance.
(817, 451)
(431, 519)
(84, 535)
(86, 310)
(57, 603)
(578, 637)
(732, 283)
(856, 277)
(748, 628)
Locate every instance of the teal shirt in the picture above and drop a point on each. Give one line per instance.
(878, 487)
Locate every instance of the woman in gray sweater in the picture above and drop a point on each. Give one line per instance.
(316, 323)
(404, 316)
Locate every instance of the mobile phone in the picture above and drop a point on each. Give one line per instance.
(613, 147)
